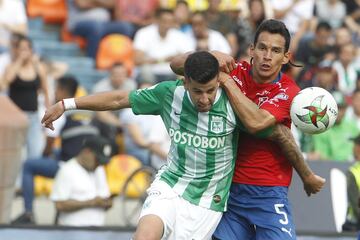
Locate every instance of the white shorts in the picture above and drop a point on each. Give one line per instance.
(182, 220)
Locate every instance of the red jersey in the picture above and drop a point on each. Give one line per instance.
(260, 161)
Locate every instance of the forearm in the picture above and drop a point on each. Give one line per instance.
(178, 62)
(253, 118)
(112, 100)
(73, 205)
(108, 118)
(283, 137)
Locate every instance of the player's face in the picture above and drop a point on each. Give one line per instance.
(268, 56)
(202, 95)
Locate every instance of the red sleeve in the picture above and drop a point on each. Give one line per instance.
(280, 102)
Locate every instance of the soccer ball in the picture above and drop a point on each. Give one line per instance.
(313, 110)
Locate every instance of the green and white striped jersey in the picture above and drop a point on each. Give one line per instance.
(203, 144)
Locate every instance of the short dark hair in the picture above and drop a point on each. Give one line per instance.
(275, 27)
(68, 83)
(323, 25)
(20, 38)
(161, 11)
(201, 67)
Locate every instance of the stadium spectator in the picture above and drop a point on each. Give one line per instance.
(335, 143)
(183, 202)
(313, 50)
(109, 122)
(182, 14)
(80, 191)
(71, 129)
(324, 77)
(206, 39)
(352, 19)
(91, 19)
(331, 11)
(218, 20)
(7, 57)
(13, 20)
(156, 45)
(240, 38)
(346, 69)
(24, 77)
(296, 14)
(342, 36)
(352, 222)
(353, 111)
(137, 132)
(139, 13)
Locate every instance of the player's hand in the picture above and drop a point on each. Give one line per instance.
(313, 184)
(53, 113)
(226, 62)
(224, 77)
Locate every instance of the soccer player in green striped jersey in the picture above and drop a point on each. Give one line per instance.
(189, 194)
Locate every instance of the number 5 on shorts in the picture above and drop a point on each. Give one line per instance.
(278, 208)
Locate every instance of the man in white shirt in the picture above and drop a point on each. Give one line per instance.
(80, 192)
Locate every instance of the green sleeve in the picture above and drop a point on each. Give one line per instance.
(150, 100)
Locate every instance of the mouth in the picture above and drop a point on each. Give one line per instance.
(265, 67)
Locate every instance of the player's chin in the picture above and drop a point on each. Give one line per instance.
(204, 108)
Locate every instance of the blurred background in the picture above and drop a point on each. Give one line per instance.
(54, 49)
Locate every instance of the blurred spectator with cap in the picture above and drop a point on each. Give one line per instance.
(80, 192)
(334, 144)
(352, 222)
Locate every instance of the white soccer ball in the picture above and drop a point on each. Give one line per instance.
(313, 110)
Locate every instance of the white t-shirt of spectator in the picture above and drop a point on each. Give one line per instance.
(334, 14)
(74, 182)
(159, 135)
(148, 40)
(216, 41)
(12, 12)
(303, 10)
(346, 77)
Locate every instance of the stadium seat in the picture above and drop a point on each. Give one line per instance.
(119, 169)
(52, 11)
(42, 185)
(115, 48)
(66, 36)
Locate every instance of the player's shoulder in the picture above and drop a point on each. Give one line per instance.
(243, 66)
(289, 82)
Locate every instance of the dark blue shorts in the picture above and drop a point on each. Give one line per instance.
(257, 213)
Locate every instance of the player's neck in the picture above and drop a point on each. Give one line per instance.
(263, 80)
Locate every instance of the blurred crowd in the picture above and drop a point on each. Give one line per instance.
(325, 44)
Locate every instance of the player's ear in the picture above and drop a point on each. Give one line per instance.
(186, 83)
(286, 58)
(251, 50)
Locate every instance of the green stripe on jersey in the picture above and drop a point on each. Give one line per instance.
(203, 145)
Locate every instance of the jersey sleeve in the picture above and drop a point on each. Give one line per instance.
(150, 100)
(279, 105)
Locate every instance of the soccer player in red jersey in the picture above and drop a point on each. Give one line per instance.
(258, 206)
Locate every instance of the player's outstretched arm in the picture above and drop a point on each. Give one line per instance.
(105, 101)
(226, 62)
(282, 135)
